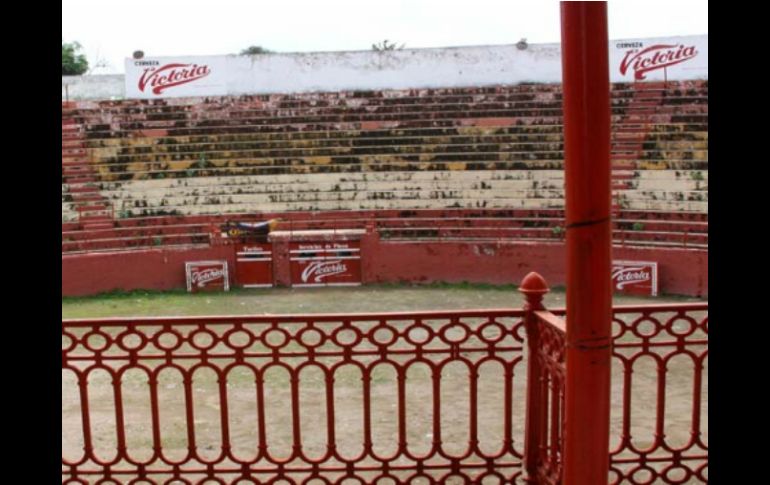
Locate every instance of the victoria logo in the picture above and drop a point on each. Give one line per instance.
(203, 276)
(170, 75)
(630, 275)
(655, 57)
(319, 270)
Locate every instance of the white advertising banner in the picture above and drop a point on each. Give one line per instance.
(163, 77)
(658, 59)
(664, 59)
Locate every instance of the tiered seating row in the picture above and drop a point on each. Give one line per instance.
(483, 148)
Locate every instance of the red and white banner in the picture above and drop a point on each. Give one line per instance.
(676, 58)
(325, 263)
(635, 277)
(207, 275)
(168, 77)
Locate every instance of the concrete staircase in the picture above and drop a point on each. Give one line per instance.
(628, 146)
(81, 180)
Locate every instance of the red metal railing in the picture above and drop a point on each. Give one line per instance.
(657, 435)
(436, 397)
(545, 397)
(307, 349)
(652, 440)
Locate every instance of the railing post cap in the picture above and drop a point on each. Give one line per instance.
(533, 285)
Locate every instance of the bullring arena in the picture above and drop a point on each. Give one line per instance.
(380, 172)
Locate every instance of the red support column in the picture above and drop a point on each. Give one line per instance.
(588, 204)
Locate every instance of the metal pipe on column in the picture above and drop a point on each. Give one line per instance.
(585, 63)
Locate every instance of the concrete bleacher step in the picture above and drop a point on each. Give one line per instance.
(83, 189)
(73, 143)
(648, 102)
(74, 161)
(73, 152)
(649, 85)
(619, 153)
(624, 156)
(76, 170)
(93, 207)
(96, 216)
(89, 226)
(89, 218)
(647, 95)
(86, 196)
(81, 179)
(637, 119)
(75, 164)
(627, 146)
(636, 128)
(72, 135)
(655, 95)
(621, 174)
(643, 114)
(84, 179)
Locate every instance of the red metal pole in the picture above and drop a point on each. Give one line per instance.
(588, 199)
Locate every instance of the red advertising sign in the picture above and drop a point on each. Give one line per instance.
(254, 265)
(325, 263)
(635, 277)
(207, 275)
(160, 78)
(658, 56)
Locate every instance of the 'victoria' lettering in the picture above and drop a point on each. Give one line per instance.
(171, 75)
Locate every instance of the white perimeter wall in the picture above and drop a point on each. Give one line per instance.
(408, 68)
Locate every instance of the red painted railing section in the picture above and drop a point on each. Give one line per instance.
(326, 372)
(546, 398)
(657, 433)
(439, 397)
(659, 437)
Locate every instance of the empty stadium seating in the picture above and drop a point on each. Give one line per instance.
(470, 163)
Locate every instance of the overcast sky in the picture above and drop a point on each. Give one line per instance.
(110, 30)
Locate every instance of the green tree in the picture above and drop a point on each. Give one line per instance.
(73, 63)
(254, 50)
(385, 46)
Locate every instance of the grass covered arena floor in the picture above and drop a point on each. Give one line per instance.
(370, 298)
(347, 385)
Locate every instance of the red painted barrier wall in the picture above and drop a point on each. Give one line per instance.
(681, 271)
(155, 269)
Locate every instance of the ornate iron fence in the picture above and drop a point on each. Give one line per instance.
(372, 398)
(424, 397)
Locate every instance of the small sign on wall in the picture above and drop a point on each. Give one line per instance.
(325, 263)
(254, 265)
(168, 77)
(635, 277)
(207, 275)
